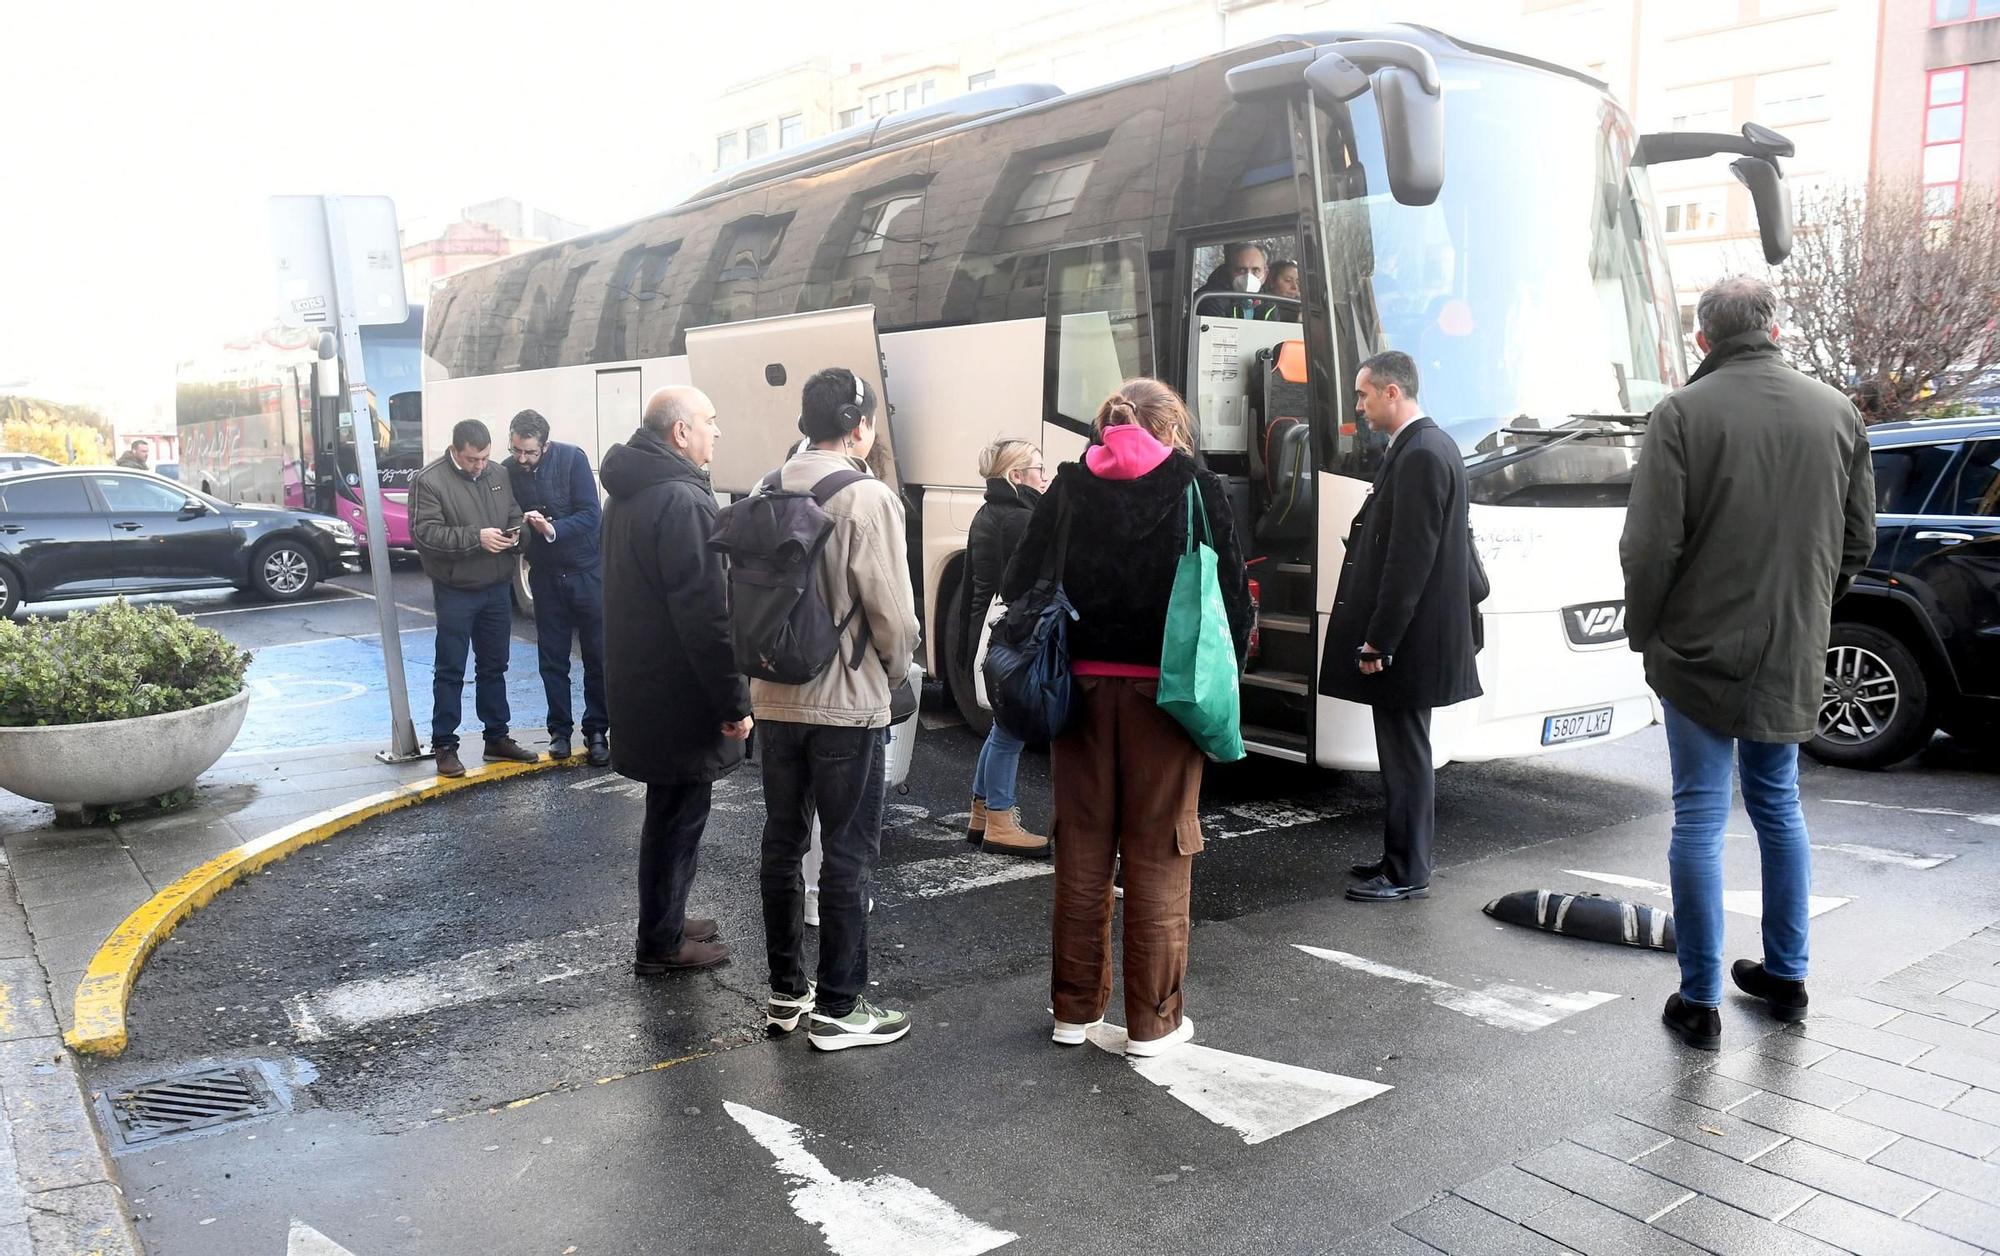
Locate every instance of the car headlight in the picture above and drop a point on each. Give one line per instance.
(338, 527)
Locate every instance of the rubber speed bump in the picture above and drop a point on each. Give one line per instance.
(107, 984)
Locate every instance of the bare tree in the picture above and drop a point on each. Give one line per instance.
(1889, 303)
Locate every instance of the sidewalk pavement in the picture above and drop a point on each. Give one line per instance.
(1872, 1127)
(66, 890)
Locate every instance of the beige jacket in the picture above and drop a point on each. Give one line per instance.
(866, 560)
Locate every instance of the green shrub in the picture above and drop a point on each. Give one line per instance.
(113, 663)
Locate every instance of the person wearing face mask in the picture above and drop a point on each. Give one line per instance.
(1015, 477)
(1243, 269)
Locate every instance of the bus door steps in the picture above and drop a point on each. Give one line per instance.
(1276, 742)
(1282, 682)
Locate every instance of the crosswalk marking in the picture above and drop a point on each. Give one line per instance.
(1743, 902)
(1503, 1006)
(1877, 854)
(955, 874)
(1259, 1099)
(877, 1216)
(303, 1240)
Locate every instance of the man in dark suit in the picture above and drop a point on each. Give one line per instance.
(1402, 636)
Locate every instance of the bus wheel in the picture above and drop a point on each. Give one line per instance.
(283, 571)
(524, 593)
(958, 645)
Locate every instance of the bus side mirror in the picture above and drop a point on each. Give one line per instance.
(1410, 103)
(1773, 200)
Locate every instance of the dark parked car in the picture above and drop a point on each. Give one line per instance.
(72, 532)
(1916, 642)
(10, 461)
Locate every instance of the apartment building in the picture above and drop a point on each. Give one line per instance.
(1937, 115)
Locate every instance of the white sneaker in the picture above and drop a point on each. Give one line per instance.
(813, 909)
(783, 1012)
(1068, 1035)
(1160, 1046)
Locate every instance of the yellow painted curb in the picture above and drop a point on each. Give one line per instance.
(107, 983)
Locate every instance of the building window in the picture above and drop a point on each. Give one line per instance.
(1792, 96)
(1051, 192)
(791, 129)
(979, 81)
(1944, 135)
(1943, 11)
(1704, 107)
(1691, 218)
(929, 91)
(875, 106)
(756, 141)
(910, 96)
(726, 150)
(850, 117)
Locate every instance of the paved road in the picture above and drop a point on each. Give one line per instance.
(471, 1067)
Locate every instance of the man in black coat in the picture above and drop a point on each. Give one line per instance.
(680, 713)
(1402, 635)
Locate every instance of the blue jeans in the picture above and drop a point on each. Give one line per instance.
(570, 604)
(1770, 773)
(479, 618)
(999, 761)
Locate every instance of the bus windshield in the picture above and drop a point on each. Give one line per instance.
(392, 359)
(1533, 289)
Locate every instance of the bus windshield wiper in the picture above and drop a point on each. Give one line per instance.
(1609, 426)
(1624, 423)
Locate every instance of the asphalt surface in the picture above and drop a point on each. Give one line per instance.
(445, 998)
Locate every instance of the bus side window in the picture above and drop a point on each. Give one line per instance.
(1100, 326)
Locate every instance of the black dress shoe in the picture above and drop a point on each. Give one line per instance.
(559, 747)
(598, 748)
(692, 954)
(1785, 999)
(1699, 1027)
(1379, 889)
(1368, 871)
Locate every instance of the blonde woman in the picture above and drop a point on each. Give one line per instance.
(1127, 778)
(1015, 477)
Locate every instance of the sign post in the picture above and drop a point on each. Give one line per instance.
(339, 263)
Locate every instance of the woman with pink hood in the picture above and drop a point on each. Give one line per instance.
(1127, 778)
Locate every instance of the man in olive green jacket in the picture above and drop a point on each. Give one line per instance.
(1752, 509)
(467, 530)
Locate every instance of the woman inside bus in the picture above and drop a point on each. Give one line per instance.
(1127, 778)
(1015, 478)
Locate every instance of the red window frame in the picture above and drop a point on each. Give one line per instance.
(1957, 185)
(1972, 14)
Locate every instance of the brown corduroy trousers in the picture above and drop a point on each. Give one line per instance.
(1127, 784)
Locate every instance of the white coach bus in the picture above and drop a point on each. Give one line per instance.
(998, 262)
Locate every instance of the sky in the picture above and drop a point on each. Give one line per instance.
(141, 140)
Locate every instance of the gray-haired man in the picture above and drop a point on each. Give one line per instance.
(1752, 509)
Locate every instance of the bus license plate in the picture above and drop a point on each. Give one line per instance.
(1577, 726)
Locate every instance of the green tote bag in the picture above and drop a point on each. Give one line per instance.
(1198, 657)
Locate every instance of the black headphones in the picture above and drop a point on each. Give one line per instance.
(851, 413)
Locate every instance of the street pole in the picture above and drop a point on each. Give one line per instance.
(403, 746)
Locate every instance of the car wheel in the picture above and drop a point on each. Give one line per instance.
(959, 644)
(12, 590)
(283, 571)
(1875, 700)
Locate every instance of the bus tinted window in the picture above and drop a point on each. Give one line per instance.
(856, 239)
(635, 307)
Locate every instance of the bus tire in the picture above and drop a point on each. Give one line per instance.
(523, 592)
(1900, 720)
(958, 647)
(13, 590)
(283, 570)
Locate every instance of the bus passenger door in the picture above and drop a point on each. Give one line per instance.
(753, 372)
(621, 400)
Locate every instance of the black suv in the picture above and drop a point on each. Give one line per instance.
(1916, 642)
(74, 532)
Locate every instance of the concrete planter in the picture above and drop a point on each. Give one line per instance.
(113, 761)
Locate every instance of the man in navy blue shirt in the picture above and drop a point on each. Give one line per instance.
(559, 507)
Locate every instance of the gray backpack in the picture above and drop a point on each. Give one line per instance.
(779, 626)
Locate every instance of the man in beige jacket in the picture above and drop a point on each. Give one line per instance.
(823, 740)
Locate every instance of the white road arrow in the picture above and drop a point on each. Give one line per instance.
(878, 1216)
(1259, 1099)
(1743, 902)
(306, 1241)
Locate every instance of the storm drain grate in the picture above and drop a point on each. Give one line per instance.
(190, 1102)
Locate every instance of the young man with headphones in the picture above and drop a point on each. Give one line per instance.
(823, 740)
